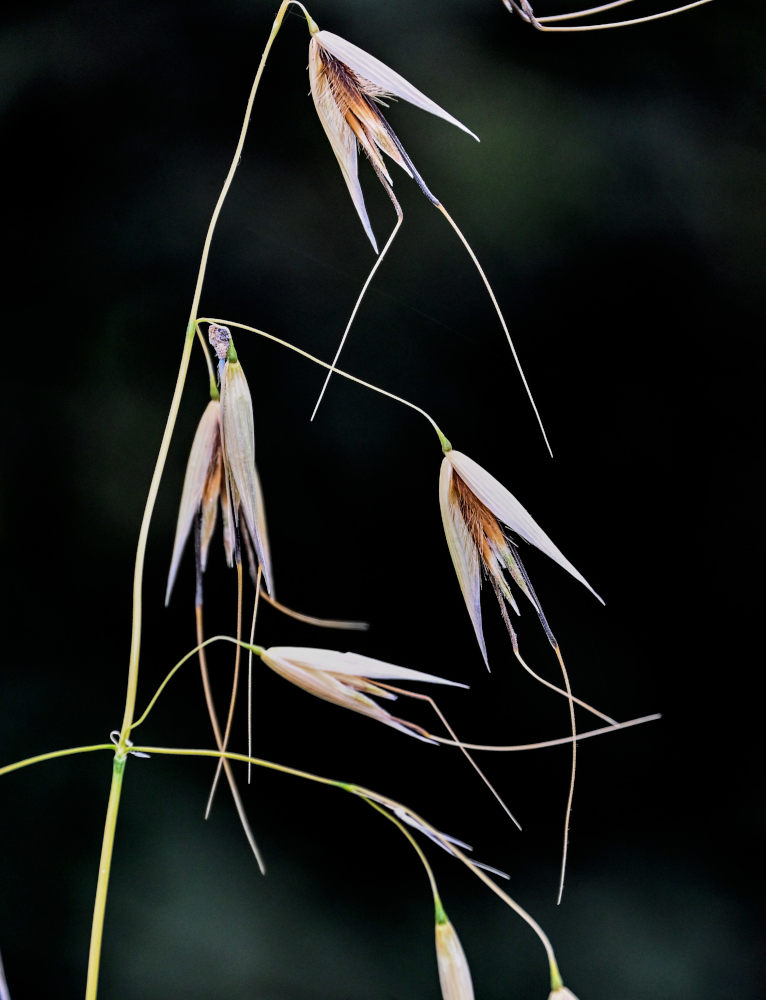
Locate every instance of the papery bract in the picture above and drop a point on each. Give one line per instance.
(345, 679)
(454, 974)
(474, 508)
(238, 439)
(348, 86)
(203, 489)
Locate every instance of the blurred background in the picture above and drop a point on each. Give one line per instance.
(616, 202)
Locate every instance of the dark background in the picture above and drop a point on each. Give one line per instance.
(616, 200)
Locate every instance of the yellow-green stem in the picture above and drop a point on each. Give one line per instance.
(54, 755)
(244, 759)
(135, 639)
(105, 864)
(556, 980)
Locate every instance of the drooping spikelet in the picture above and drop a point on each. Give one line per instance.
(474, 508)
(221, 471)
(204, 487)
(346, 679)
(348, 86)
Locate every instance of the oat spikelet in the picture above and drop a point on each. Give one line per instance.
(474, 508)
(454, 974)
(349, 87)
(346, 679)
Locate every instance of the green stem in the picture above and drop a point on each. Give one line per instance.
(105, 864)
(54, 755)
(242, 758)
(135, 639)
(192, 652)
(556, 981)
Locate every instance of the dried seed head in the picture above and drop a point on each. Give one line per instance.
(348, 86)
(221, 467)
(201, 489)
(238, 436)
(475, 507)
(454, 974)
(346, 679)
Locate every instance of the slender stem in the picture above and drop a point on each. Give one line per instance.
(173, 671)
(562, 741)
(135, 639)
(338, 371)
(104, 867)
(54, 755)
(243, 759)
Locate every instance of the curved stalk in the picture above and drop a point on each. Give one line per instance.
(338, 371)
(138, 574)
(369, 795)
(104, 867)
(53, 755)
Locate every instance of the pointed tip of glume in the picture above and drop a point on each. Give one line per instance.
(371, 237)
(598, 597)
